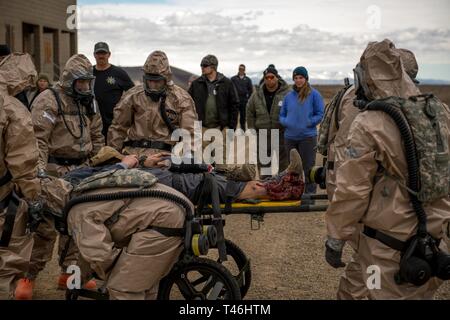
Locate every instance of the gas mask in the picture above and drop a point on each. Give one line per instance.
(83, 93)
(422, 260)
(361, 89)
(85, 96)
(155, 86)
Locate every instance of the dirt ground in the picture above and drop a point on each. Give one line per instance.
(286, 258)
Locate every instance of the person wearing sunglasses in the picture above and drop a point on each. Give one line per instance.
(216, 102)
(263, 109)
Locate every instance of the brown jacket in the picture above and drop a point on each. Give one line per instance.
(53, 136)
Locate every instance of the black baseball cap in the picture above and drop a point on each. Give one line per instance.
(101, 47)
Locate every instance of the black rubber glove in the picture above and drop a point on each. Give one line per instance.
(333, 252)
(35, 213)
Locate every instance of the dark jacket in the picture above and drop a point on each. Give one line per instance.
(227, 100)
(244, 87)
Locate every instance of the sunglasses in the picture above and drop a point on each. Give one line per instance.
(269, 77)
(204, 65)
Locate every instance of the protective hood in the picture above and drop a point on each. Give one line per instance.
(409, 63)
(18, 73)
(77, 67)
(158, 64)
(382, 73)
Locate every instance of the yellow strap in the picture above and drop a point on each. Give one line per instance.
(265, 203)
(194, 244)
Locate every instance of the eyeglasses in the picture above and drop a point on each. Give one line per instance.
(269, 77)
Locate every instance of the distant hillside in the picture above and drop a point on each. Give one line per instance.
(180, 77)
(326, 87)
(440, 91)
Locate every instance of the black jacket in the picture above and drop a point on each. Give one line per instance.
(227, 100)
(243, 86)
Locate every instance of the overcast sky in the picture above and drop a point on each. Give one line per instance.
(326, 36)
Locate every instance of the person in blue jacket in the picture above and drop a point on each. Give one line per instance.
(301, 112)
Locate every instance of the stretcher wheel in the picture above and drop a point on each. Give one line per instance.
(199, 279)
(238, 265)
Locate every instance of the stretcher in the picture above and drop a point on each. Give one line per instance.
(267, 206)
(259, 209)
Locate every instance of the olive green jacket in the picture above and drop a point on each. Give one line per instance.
(258, 116)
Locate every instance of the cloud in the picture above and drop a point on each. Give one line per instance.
(188, 35)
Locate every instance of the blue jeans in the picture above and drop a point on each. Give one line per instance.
(306, 149)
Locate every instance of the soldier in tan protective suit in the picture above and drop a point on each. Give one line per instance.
(68, 129)
(351, 284)
(127, 254)
(366, 191)
(19, 186)
(147, 114)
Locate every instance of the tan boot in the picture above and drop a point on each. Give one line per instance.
(295, 165)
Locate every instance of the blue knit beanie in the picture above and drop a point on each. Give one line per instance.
(300, 71)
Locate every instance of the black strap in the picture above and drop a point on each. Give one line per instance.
(169, 232)
(210, 194)
(163, 113)
(58, 100)
(330, 165)
(66, 161)
(6, 178)
(12, 201)
(4, 203)
(230, 191)
(65, 250)
(62, 113)
(150, 144)
(387, 240)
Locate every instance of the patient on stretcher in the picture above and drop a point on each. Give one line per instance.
(288, 185)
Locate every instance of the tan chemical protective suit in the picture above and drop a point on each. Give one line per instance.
(59, 136)
(138, 118)
(365, 190)
(124, 252)
(19, 158)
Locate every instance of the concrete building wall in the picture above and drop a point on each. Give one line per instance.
(39, 27)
